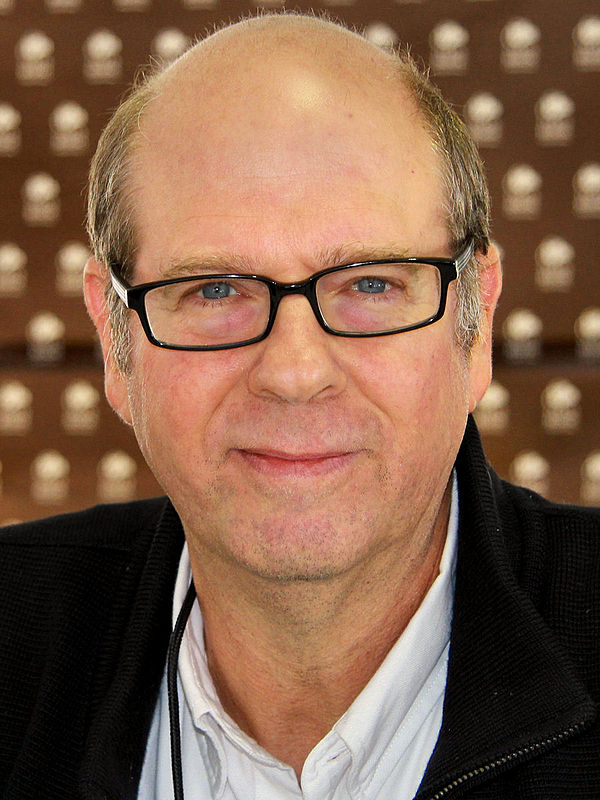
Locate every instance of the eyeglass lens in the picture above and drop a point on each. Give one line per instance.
(362, 299)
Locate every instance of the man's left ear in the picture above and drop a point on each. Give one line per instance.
(480, 367)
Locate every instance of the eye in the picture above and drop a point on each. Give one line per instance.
(216, 290)
(370, 285)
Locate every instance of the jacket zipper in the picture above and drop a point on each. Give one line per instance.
(544, 744)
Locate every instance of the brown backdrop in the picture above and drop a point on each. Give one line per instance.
(525, 75)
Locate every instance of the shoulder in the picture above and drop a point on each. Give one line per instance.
(517, 519)
(86, 549)
(111, 526)
(71, 569)
(555, 552)
(539, 515)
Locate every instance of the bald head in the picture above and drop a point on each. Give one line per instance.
(252, 108)
(272, 40)
(280, 78)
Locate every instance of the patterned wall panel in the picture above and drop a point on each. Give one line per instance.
(524, 74)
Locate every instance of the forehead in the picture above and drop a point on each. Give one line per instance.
(258, 138)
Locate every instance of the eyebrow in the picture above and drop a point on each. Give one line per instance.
(208, 264)
(356, 252)
(224, 264)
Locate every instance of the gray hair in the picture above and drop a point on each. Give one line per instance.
(467, 200)
(110, 205)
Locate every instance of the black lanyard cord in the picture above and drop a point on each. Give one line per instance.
(172, 660)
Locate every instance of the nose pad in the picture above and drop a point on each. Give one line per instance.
(297, 360)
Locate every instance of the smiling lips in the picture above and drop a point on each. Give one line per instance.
(282, 464)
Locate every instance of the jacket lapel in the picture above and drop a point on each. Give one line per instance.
(511, 691)
(126, 685)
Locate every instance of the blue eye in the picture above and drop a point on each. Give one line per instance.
(216, 291)
(371, 285)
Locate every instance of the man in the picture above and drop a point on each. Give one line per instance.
(348, 631)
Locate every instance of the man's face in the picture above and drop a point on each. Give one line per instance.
(305, 455)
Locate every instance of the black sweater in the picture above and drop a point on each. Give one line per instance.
(86, 618)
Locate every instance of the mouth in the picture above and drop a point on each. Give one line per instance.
(282, 464)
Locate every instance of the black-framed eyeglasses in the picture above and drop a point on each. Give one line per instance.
(222, 311)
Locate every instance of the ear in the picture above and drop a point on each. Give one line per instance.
(480, 367)
(115, 382)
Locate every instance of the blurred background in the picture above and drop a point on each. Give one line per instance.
(525, 75)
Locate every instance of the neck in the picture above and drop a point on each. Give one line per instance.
(310, 647)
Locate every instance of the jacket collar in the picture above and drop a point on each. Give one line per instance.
(511, 691)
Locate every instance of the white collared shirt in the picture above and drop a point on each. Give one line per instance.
(378, 750)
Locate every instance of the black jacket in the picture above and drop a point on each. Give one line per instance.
(86, 610)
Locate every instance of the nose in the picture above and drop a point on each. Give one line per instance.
(296, 362)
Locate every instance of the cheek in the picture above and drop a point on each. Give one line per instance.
(420, 388)
(173, 396)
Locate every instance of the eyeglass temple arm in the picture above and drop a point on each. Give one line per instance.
(463, 258)
(119, 287)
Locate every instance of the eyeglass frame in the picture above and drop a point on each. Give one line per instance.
(133, 297)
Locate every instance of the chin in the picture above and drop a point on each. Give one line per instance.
(316, 552)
